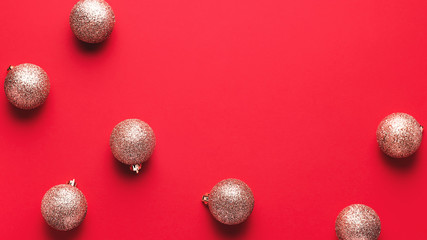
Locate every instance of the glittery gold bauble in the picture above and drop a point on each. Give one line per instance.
(230, 201)
(64, 206)
(26, 86)
(132, 142)
(358, 222)
(92, 21)
(399, 135)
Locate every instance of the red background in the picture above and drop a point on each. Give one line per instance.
(285, 95)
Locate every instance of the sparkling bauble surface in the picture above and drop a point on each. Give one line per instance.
(231, 201)
(64, 207)
(92, 21)
(132, 141)
(26, 86)
(399, 135)
(358, 222)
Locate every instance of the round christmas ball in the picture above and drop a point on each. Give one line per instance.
(132, 142)
(230, 201)
(92, 21)
(358, 222)
(399, 135)
(26, 86)
(64, 206)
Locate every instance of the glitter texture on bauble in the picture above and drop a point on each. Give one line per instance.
(358, 222)
(399, 135)
(64, 206)
(132, 142)
(92, 21)
(26, 86)
(230, 201)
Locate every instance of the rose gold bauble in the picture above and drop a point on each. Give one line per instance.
(64, 206)
(230, 201)
(26, 86)
(399, 135)
(132, 142)
(358, 222)
(92, 21)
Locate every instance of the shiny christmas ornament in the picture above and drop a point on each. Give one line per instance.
(64, 206)
(132, 142)
(399, 135)
(230, 201)
(26, 86)
(92, 21)
(358, 222)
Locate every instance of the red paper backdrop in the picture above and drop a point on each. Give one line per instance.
(285, 95)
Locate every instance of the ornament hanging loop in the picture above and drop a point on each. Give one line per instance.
(135, 168)
(205, 198)
(72, 182)
(10, 68)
